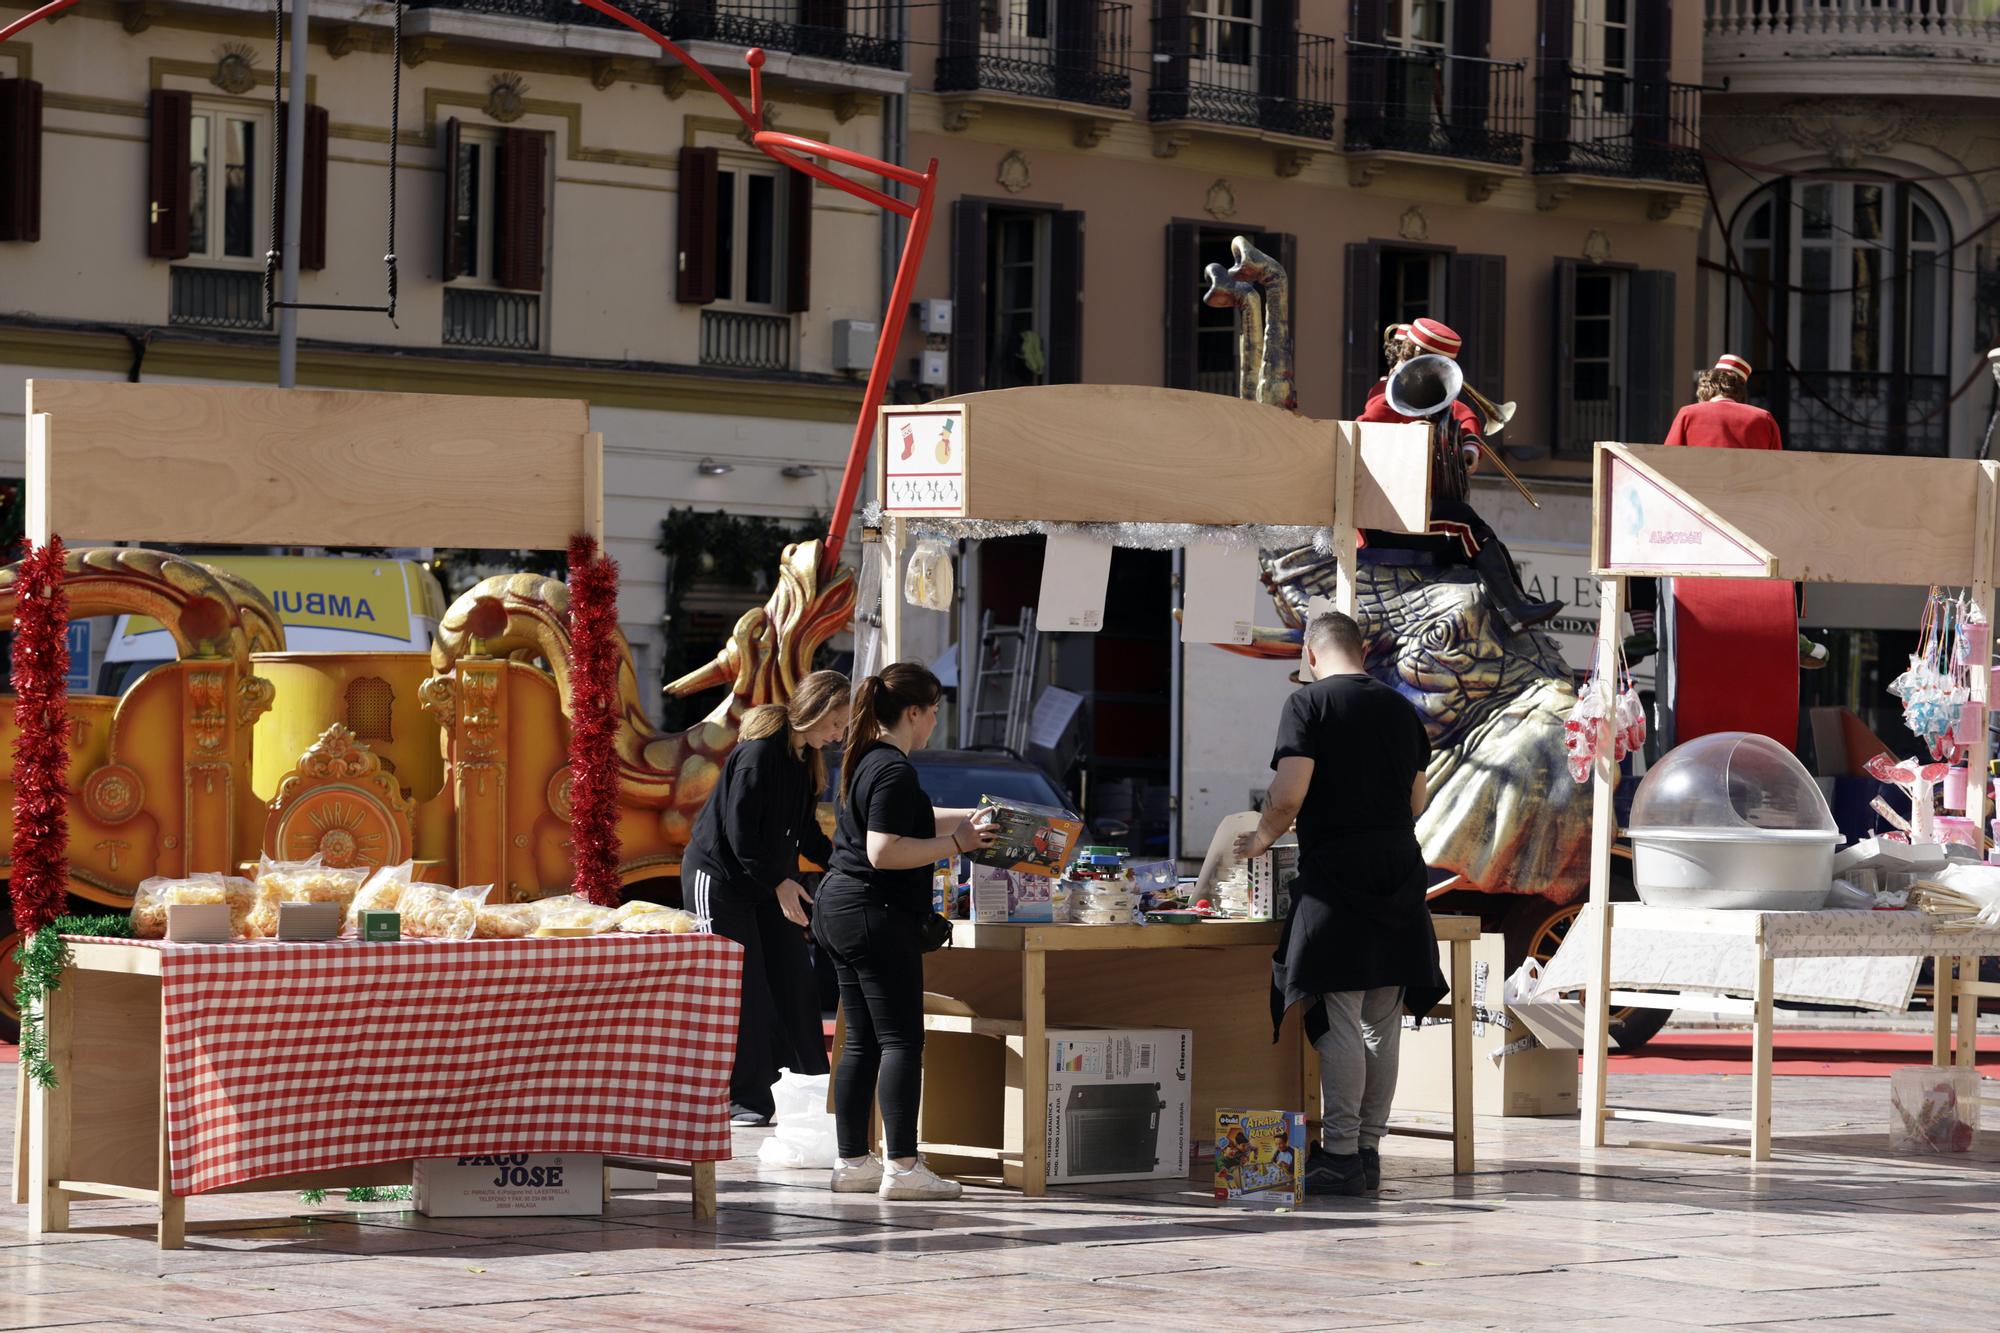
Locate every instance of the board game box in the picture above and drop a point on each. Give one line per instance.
(1260, 1157)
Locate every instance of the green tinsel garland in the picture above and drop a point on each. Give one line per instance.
(42, 959)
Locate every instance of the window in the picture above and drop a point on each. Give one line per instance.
(472, 207)
(1201, 338)
(496, 183)
(1017, 336)
(228, 193)
(1601, 40)
(1416, 24)
(1412, 286)
(1222, 40)
(1597, 354)
(1017, 289)
(1603, 390)
(749, 238)
(1018, 19)
(745, 235)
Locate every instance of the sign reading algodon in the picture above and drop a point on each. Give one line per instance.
(1647, 526)
(924, 462)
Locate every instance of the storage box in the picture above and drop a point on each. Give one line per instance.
(381, 925)
(1118, 1103)
(1037, 839)
(1260, 1157)
(510, 1185)
(1524, 1081)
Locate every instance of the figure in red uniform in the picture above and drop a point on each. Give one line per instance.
(1455, 530)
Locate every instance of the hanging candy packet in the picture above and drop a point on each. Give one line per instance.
(1617, 699)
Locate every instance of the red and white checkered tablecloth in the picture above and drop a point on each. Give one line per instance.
(285, 1057)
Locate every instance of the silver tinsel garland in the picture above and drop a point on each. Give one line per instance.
(1133, 536)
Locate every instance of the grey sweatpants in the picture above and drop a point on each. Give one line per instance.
(1357, 1066)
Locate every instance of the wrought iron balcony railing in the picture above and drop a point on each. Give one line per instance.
(482, 317)
(217, 298)
(1239, 73)
(856, 32)
(1065, 50)
(1419, 101)
(743, 340)
(1640, 128)
(1857, 412)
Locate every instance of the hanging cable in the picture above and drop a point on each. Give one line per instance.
(272, 254)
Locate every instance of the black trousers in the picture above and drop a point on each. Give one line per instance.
(779, 1027)
(878, 958)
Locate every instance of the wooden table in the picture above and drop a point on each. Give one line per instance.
(1013, 982)
(100, 1132)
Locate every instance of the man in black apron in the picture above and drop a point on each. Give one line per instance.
(1358, 948)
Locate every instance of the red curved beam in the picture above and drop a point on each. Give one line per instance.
(33, 17)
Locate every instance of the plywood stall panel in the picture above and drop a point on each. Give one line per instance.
(288, 467)
(1098, 453)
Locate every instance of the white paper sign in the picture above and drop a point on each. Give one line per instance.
(1219, 595)
(924, 462)
(1648, 527)
(1076, 571)
(1053, 713)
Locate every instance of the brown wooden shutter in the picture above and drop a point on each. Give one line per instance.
(20, 160)
(1184, 288)
(1476, 302)
(1552, 86)
(1562, 397)
(968, 295)
(1284, 247)
(1652, 60)
(694, 282)
(1650, 399)
(453, 263)
(1066, 308)
(1471, 35)
(517, 209)
(1362, 365)
(312, 211)
(1170, 75)
(822, 28)
(1076, 51)
(1367, 74)
(798, 241)
(1278, 72)
(168, 220)
(958, 51)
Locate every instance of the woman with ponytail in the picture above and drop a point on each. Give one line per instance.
(739, 874)
(869, 919)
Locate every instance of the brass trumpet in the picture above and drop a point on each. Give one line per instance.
(1426, 386)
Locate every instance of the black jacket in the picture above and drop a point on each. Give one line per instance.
(762, 814)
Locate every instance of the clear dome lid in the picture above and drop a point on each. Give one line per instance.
(1731, 783)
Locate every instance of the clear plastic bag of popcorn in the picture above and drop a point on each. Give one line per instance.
(640, 917)
(382, 892)
(435, 912)
(300, 882)
(567, 914)
(154, 896)
(506, 921)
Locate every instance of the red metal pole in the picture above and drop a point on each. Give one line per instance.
(30, 19)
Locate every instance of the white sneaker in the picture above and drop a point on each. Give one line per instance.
(919, 1182)
(861, 1176)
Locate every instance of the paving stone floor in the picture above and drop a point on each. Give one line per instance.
(1836, 1233)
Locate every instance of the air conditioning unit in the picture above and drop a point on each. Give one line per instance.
(854, 344)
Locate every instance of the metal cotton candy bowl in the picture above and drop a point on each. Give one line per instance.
(1732, 821)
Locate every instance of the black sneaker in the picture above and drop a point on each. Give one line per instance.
(1371, 1168)
(1334, 1173)
(740, 1114)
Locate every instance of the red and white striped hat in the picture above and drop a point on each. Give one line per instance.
(1731, 362)
(1435, 336)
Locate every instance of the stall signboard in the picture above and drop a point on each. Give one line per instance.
(923, 462)
(1649, 528)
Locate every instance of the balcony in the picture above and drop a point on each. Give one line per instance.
(1219, 72)
(848, 32)
(1872, 47)
(1858, 412)
(483, 317)
(1614, 125)
(1419, 101)
(217, 298)
(739, 340)
(1065, 52)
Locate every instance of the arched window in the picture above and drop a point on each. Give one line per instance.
(1843, 307)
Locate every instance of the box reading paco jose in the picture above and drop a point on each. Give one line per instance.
(511, 1184)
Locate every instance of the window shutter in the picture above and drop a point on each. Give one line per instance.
(1076, 51)
(1649, 357)
(517, 208)
(1471, 35)
(1367, 73)
(1652, 59)
(958, 53)
(1552, 86)
(1185, 285)
(1279, 74)
(822, 28)
(312, 213)
(1170, 75)
(453, 263)
(694, 282)
(798, 241)
(167, 161)
(1363, 364)
(1476, 297)
(1066, 310)
(20, 160)
(968, 295)
(1563, 391)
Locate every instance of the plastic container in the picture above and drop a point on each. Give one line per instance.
(1732, 820)
(1933, 1110)
(1954, 788)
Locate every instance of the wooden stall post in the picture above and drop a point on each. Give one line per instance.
(49, 1118)
(1603, 831)
(1347, 453)
(892, 594)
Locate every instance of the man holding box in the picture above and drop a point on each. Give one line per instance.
(1358, 947)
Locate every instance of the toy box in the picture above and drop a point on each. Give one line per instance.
(1010, 895)
(1031, 839)
(1260, 1157)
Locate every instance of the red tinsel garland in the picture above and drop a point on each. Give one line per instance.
(593, 687)
(40, 880)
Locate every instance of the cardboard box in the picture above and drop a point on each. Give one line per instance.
(198, 923)
(1037, 839)
(510, 1185)
(308, 921)
(1012, 895)
(1260, 1157)
(1529, 1081)
(381, 925)
(1118, 1103)
(631, 1178)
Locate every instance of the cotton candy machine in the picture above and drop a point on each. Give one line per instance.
(1732, 821)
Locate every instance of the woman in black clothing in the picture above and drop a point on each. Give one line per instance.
(739, 875)
(869, 919)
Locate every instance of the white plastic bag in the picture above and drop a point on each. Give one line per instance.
(803, 1139)
(1557, 1023)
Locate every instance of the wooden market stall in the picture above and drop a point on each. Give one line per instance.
(1092, 455)
(1726, 513)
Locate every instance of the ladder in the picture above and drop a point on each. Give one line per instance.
(1003, 677)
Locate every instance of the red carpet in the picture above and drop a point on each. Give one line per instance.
(1816, 1054)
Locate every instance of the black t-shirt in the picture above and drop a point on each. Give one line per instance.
(884, 796)
(1368, 745)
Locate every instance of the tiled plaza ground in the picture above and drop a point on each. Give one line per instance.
(1634, 1241)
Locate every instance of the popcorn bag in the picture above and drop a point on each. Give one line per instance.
(383, 892)
(154, 896)
(434, 912)
(309, 881)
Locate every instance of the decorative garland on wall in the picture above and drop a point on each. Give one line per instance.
(42, 958)
(593, 764)
(40, 880)
(1133, 536)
